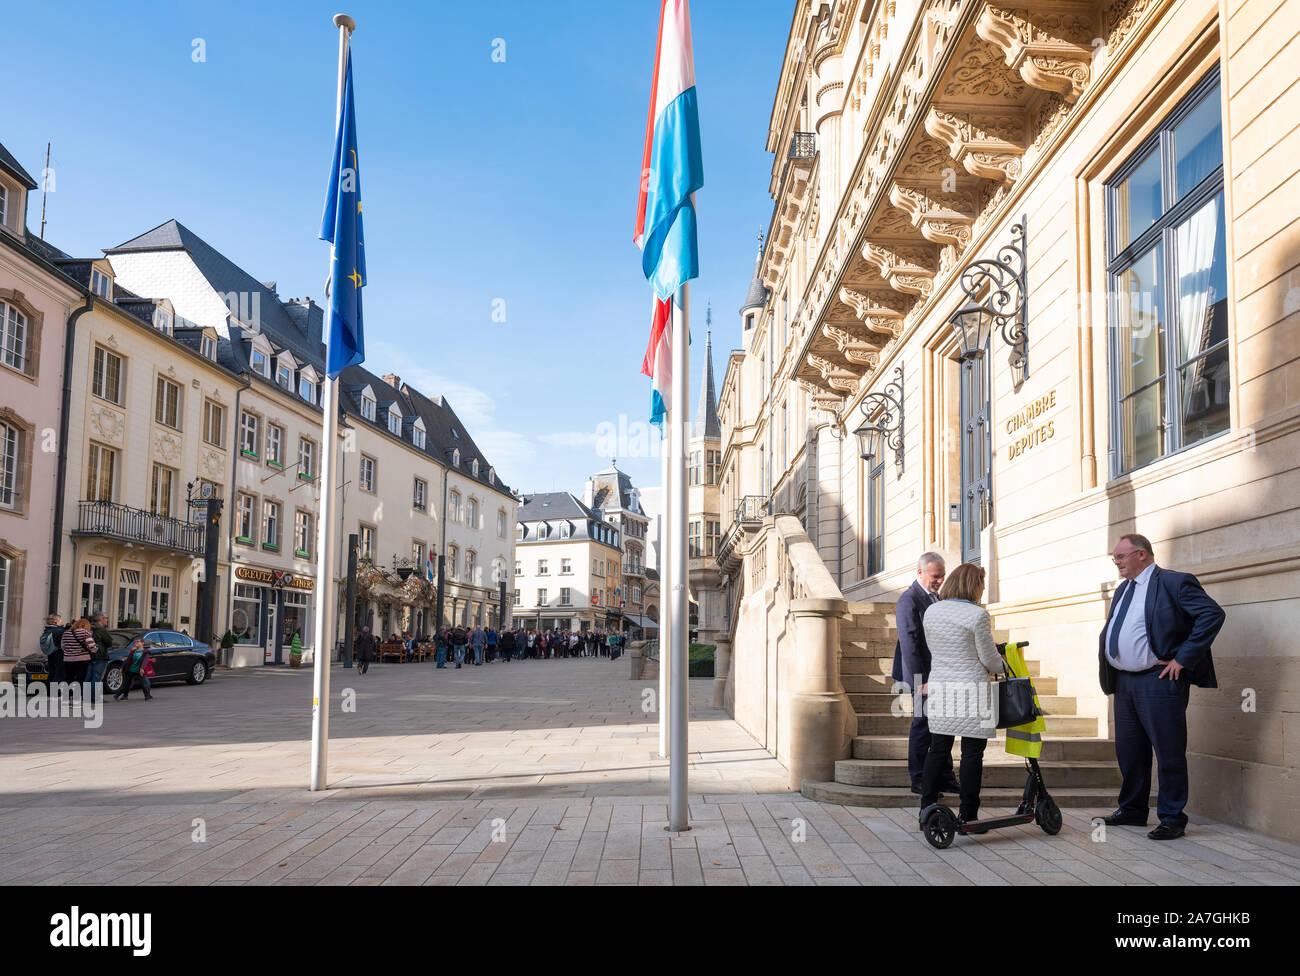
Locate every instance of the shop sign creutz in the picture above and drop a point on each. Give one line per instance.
(273, 577)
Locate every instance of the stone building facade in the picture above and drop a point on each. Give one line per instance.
(1133, 159)
(568, 566)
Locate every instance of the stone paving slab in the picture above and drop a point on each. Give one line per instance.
(532, 773)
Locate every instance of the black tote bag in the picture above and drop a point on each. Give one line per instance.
(1016, 702)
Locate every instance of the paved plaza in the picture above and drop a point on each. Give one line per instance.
(527, 773)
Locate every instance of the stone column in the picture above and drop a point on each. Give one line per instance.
(819, 708)
(721, 669)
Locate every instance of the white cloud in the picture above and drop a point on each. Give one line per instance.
(575, 438)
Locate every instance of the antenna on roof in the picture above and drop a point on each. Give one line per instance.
(45, 187)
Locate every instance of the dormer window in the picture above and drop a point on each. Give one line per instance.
(492, 476)
(100, 283)
(261, 365)
(162, 319)
(208, 347)
(565, 530)
(367, 404)
(307, 389)
(474, 467)
(4, 205)
(394, 420)
(417, 434)
(541, 530)
(455, 456)
(284, 376)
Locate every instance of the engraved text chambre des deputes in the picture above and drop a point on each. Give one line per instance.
(1027, 427)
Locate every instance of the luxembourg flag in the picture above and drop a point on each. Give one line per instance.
(671, 171)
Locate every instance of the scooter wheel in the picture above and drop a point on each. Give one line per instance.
(939, 826)
(1048, 816)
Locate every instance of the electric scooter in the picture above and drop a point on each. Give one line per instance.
(941, 826)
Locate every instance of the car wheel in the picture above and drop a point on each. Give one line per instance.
(198, 674)
(113, 679)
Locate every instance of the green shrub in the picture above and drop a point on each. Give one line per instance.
(701, 660)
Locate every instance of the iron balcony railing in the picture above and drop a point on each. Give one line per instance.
(752, 508)
(803, 145)
(113, 521)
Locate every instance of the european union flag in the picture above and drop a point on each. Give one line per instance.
(341, 226)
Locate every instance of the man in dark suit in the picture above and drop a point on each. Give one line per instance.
(1154, 647)
(912, 663)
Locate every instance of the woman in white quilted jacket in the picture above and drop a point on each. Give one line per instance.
(962, 700)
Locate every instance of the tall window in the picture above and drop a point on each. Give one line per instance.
(106, 382)
(303, 534)
(501, 524)
(875, 520)
(10, 439)
(101, 471)
(244, 519)
(306, 459)
(712, 533)
(367, 474)
(167, 404)
(128, 597)
(541, 597)
(693, 539)
(13, 337)
(542, 567)
(421, 490)
(453, 507)
(472, 513)
(714, 463)
(471, 564)
(248, 439)
(160, 600)
(275, 445)
(1170, 375)
(368, 541)
(94, 580)
(566, 596)
(452, 552)
(270, 525)
(161, 490)
(566, 567)
(417, 557)
(214, 423)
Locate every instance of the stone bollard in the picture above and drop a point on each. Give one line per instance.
(635, 656)
(820, 712)
(721, 668)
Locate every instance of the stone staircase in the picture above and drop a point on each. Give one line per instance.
(1078, 766)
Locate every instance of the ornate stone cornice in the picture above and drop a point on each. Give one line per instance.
(944, 218)
(986, 144)
(1047, 43)
(852, 347)
(901, 271)
(876, 317)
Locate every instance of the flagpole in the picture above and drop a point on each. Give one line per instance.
(679, 618)
(325, 621)
(665, 580)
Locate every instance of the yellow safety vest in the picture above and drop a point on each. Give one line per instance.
(1024, 740)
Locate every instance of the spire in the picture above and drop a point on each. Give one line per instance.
(707, 425)
(757, 296)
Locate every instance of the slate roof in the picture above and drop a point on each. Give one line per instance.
(303, 339)
(604, 484)
(553, 505)
(758, 292)
(15, 169)
(707, 425)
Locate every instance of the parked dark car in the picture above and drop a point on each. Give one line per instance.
(175, 658)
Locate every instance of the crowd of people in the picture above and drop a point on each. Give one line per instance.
(483, 645)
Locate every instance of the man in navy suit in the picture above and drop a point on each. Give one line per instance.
(1154, 647)
(912, 663)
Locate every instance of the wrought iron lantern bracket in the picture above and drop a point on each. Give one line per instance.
(996, 295)
(888, 406)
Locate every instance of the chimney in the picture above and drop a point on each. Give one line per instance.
(393, 380)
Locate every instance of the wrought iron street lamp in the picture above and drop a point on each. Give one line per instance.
(995, 298)
(887, 428)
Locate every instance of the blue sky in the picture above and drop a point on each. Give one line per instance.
(482, 180)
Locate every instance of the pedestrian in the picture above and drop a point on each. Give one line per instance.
(962, 698)
(507, 644)
(363, 649)
(479, 640)
(459, 639)
(912, 665)
(99, 659)
(1154, 647)
(52, 647)
(78, 645)
(138, 666)
(493, 641)
(440, 645)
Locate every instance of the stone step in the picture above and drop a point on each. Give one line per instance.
(859, 660)
(1098, 798)
(882, 701)
(1072, 749)
(884, 723)
(1001, 771)
(864, 684)
(864, 648)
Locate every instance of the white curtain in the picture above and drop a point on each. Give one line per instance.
(1195, 255)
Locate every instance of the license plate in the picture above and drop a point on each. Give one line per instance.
(38, 677)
